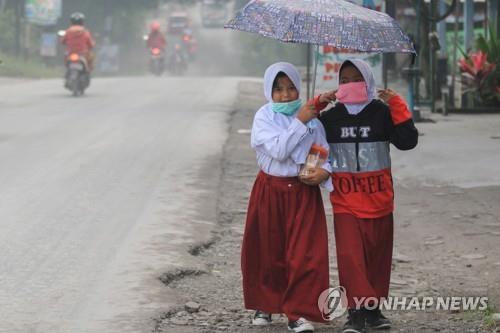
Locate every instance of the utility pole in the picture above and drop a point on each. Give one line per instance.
(108, 18)
(18, 11)
(441, 28)
(432, 54)
(454, 55)
(430, 44)
(469, 24)
(158, 8)
(493, 16)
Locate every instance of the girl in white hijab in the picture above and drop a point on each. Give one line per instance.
(284, 256)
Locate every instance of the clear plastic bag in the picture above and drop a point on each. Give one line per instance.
(316, 157)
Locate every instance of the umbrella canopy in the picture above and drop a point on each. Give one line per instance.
(335, 23)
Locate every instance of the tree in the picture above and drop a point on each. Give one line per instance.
(7, 33)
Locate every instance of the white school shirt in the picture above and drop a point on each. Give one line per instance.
(282, 143)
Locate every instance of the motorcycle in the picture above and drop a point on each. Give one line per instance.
(190, 45)
(177, 62)
(77, 74)
(157, 61)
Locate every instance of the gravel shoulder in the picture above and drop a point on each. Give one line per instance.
(446, 244)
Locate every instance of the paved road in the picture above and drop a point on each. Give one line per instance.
(98, 197)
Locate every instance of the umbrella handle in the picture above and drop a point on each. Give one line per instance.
(316, 60)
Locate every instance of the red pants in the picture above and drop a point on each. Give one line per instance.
(284, 257)
(364, 255)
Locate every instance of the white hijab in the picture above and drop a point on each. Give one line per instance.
(270, 76)
(367, 73)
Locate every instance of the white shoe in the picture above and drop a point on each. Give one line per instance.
(261, 318)
(300, 325)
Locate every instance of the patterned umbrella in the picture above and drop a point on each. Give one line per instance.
(335, 23)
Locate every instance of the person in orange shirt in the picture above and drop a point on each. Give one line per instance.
(155, 38)
(360, 129)
(78, 39)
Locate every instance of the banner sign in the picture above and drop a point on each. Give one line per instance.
(48, 45)
(43, 12)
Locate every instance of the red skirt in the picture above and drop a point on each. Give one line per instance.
(284, 256)
(364, 255)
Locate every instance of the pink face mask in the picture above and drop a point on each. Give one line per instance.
(352, 93)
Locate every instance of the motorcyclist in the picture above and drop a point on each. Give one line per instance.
(190, 43)
(78, 39)
(156, 39)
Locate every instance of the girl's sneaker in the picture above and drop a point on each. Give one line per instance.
(261, 318)
(355, 322)
(300, 325)
(376, 320)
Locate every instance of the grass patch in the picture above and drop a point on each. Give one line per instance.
(16, 67)
(488, 320)
(484, 316)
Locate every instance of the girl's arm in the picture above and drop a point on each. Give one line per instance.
(277, 142)
(322, 174)
(316, 104)
(404, 134)
(327, 166)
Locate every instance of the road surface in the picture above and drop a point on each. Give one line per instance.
(100, 195)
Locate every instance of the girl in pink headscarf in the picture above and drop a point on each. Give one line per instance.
(359, 130)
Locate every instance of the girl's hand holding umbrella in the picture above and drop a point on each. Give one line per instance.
(307, 112)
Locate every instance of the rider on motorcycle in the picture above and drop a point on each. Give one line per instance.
(156, 40)
(79, 40)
